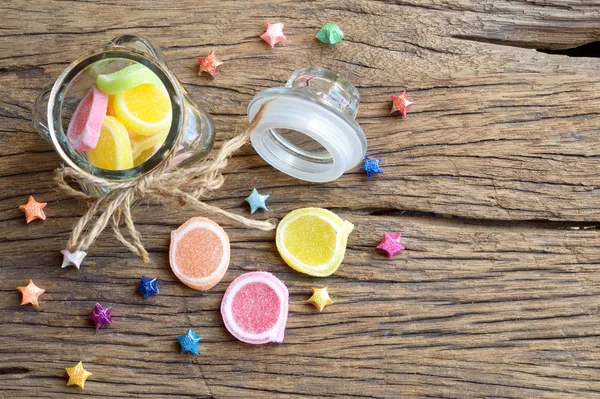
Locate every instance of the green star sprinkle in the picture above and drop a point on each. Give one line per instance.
(330, 34)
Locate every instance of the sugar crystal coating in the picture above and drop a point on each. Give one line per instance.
(84, 128)
(199, 253)
(255, 308)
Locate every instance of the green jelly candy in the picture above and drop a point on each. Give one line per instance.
(330, 34)
(127, 78)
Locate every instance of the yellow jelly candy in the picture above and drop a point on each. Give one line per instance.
(144, 156)
(144, 109)
(313, 240)
(113, 151)
(110, 109)
(143, 147)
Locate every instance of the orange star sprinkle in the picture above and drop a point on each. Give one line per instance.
(77, 375)
(209, 64)
(401, 104)
(31, 292)
(33, 209)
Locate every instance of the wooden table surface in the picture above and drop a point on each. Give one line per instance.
(499, 298)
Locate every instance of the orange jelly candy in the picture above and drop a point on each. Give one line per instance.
(199, 253)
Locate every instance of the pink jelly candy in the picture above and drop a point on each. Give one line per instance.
(84, 129)
(255, 308)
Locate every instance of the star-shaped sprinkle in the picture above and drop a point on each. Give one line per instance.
(391, 244)
(77, 375)
(257, 201)
(274, 34)
(209, 64)
(401, 104)
(371, 167)
(33, 209)
(320, 298)
(100, 316)
(72, 258)
(147, 287)
(330, 34)
(189, 342)
(31, 292)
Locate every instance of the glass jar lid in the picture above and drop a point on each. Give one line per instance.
(308, 129)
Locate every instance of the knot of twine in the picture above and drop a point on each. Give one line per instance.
(187, 185)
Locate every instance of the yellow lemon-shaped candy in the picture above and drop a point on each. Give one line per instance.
(144, 109)
(110, 109)
(313, 240)
(113, 150)
(143, 147)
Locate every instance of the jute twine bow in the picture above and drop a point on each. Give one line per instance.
(187, 185)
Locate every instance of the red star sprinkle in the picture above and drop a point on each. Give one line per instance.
(274, 34)
(401, 104)
(33, 209)
(209, 64)
(31, 292)
(391, 244)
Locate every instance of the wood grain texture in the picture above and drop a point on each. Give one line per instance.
(501, 300)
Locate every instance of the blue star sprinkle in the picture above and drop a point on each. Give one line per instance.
(147, 287)
(189, 342)
(371, 166)
(257, 201)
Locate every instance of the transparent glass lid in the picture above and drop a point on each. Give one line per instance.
(308, 129)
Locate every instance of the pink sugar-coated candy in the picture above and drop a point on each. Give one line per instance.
(255, 308)
(84, 129)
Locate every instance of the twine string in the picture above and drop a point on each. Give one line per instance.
(187, 185)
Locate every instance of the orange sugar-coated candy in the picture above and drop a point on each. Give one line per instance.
(199, 253)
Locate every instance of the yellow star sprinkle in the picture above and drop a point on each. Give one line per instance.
(77, 375)
(320, 298)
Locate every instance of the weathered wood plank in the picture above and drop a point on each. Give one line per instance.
(498, 132)
(473, 308)
(508, 309)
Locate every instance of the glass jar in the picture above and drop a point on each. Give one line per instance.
(308, 129)
(190, 136)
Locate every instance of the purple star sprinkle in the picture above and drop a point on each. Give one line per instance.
(100, 316)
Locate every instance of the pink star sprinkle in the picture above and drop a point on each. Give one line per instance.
(391, 244)
(209, 64)
(401, 104)
(274, 34)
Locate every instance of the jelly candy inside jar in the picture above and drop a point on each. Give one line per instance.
(118, 114)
